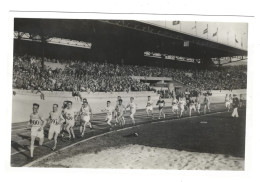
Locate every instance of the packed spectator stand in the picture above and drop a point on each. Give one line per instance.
(89, 76)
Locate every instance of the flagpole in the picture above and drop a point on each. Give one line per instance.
(235, 40)
(180, 26)
(241, 41)
(207, 32)
(196, 27)
(217, 34)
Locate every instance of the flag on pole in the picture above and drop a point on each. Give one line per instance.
(195, 26)
(206, 30)
(236, 40)
(216, 33)
(175, 22)
(241, 44)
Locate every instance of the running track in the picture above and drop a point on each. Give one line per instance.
(20, 139)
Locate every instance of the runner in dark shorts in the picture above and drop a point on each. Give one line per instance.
(161, 104)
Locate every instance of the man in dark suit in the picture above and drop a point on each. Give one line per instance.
(235, 106)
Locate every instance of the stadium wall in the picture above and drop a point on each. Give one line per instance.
(23, 100)
(218, 93)
(218, 96)
(86, 94)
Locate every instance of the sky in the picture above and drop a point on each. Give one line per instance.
(227, 31)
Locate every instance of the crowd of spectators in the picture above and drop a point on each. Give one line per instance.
(28, 74)
(106, 77)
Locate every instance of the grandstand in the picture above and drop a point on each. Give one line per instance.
(91, 77)
(121, 50)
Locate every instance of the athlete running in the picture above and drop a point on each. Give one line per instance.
(55, 120)
(132, 106)
(149, 106)
(109, 111)
(37, 123)
(161, 104)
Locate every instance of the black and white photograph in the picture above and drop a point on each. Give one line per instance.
(129, 94)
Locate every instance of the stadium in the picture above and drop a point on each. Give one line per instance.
(196, 86)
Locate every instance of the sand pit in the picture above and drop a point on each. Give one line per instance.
(143, 157)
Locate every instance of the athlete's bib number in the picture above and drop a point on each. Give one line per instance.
(35, 122)
(54, 121)
(84, 114)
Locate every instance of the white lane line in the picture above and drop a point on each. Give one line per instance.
(19, 140)
(23, 126)
(129, 127)
(16, 134)
(19, 129)
(168, 120)
(23, 150)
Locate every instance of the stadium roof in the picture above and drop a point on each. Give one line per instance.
(127, 35)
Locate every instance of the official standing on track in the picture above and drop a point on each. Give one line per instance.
(235, 106)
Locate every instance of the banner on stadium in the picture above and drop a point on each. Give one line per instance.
(170, 57)
(52, 40)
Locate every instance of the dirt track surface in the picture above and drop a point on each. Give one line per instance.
(21, 137)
